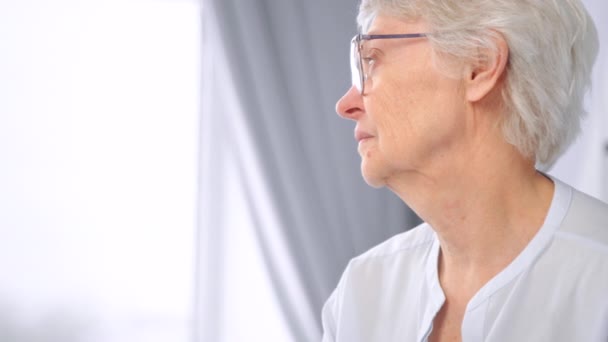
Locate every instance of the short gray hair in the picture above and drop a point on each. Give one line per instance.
(553, 45)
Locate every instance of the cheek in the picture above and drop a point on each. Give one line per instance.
(404, 110)
(390, 116)
(417, 117)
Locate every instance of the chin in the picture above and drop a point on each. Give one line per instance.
(372, 179)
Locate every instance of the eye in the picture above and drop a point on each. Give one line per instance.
(369, 57)
(368, 60)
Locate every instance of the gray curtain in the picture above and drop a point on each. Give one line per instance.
(288, 63)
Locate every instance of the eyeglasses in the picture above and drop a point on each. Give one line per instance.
(359, 69)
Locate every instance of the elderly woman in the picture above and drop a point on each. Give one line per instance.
(455, 103)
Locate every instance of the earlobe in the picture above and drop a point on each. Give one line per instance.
(485, 75)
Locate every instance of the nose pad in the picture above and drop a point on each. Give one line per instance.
(350, 105)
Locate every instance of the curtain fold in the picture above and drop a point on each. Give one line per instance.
(299, 170)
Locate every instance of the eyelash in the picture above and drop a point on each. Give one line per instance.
(368, 60)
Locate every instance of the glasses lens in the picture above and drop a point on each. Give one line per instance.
(355, 65)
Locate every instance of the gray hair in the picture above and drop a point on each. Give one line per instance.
(553, 45)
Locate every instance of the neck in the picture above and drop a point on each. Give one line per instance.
(485, 209)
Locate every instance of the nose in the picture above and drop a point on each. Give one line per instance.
(350, 106)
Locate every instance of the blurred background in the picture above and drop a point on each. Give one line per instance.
(173, 170)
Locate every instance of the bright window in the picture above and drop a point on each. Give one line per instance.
(98, 142)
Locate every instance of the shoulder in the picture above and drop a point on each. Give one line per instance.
(586, 222)
(401, 253)
(366, 291)
(577, 260)
(591, 209)
(400, 256)
(415, 239)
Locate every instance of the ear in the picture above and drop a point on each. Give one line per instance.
(482, 78)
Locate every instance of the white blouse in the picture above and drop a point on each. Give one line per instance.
(555, 290)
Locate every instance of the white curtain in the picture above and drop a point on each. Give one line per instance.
(280, 166)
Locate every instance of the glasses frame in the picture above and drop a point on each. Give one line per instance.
(356, 61)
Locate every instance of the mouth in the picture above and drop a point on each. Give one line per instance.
(361, 135)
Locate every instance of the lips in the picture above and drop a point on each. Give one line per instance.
(362, 135)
